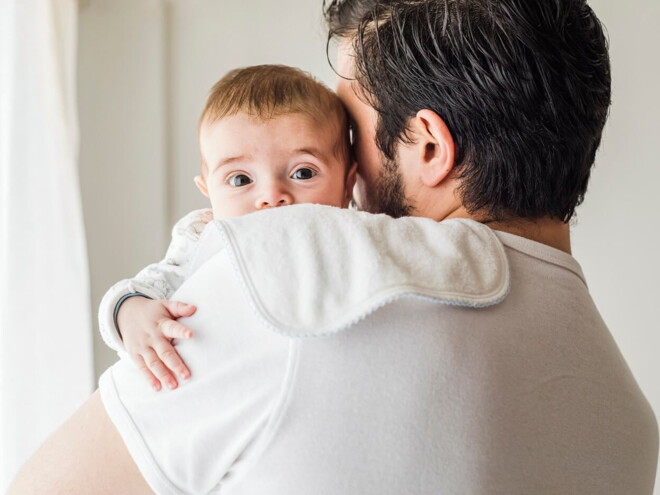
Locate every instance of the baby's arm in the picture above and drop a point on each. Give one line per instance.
(156, 283)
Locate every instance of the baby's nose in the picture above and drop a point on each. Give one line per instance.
(273, 197)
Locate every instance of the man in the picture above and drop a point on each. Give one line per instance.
(335, 369)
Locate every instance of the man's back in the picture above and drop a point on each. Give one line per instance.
(527, 396)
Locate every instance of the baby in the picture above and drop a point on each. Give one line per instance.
(269, 136)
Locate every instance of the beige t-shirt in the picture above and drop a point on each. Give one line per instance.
(338, 352)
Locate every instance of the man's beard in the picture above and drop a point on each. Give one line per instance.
(387, 194)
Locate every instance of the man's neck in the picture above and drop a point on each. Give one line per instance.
(553, 233)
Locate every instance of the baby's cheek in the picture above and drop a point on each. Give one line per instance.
(334, 196)
(225, 207)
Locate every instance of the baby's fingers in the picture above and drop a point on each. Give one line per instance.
(172, 329)
(158, 368)
(151, 378)
(178, 309)
(171, 358)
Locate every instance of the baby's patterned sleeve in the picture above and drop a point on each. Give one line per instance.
(158, 280)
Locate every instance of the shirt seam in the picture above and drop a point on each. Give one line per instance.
(542, 252)
(560, 265)
(278, 412)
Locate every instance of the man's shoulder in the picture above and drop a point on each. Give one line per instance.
(318, 269)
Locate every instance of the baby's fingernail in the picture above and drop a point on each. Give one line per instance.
(185, 375)
(156, 387)
(171, 385)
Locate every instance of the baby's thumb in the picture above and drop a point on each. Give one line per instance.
(178, 309)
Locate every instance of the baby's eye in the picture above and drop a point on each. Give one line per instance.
(239, 180)
(304, 173)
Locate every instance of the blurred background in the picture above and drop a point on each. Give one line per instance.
(112, 89)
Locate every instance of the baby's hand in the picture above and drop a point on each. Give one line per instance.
(147, 327)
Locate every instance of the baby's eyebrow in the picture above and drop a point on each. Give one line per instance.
(230, 159)
(310, 150)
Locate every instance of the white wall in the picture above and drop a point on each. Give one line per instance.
(145, 68)
(122, 106)
(617, 236)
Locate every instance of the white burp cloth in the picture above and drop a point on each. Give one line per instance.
(314, 270)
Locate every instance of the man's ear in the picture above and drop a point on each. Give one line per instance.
(351, 177)
(435, 147)
(200, 182)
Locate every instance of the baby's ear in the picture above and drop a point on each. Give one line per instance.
(351, 177)
(200, 182)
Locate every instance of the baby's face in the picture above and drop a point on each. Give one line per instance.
(252, 164)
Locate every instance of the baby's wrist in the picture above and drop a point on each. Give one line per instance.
(125, 302)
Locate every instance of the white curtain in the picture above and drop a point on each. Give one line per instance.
(45, 331)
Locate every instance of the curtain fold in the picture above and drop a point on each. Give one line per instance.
(46, 363)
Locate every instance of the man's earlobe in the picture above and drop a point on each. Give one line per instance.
(201, 185)
(436, 147)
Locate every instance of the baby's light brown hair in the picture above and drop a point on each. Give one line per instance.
(270, 91)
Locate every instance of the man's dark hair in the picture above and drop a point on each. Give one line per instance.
(523, 85)
(344, 16)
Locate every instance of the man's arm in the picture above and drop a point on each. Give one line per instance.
(85, 455)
